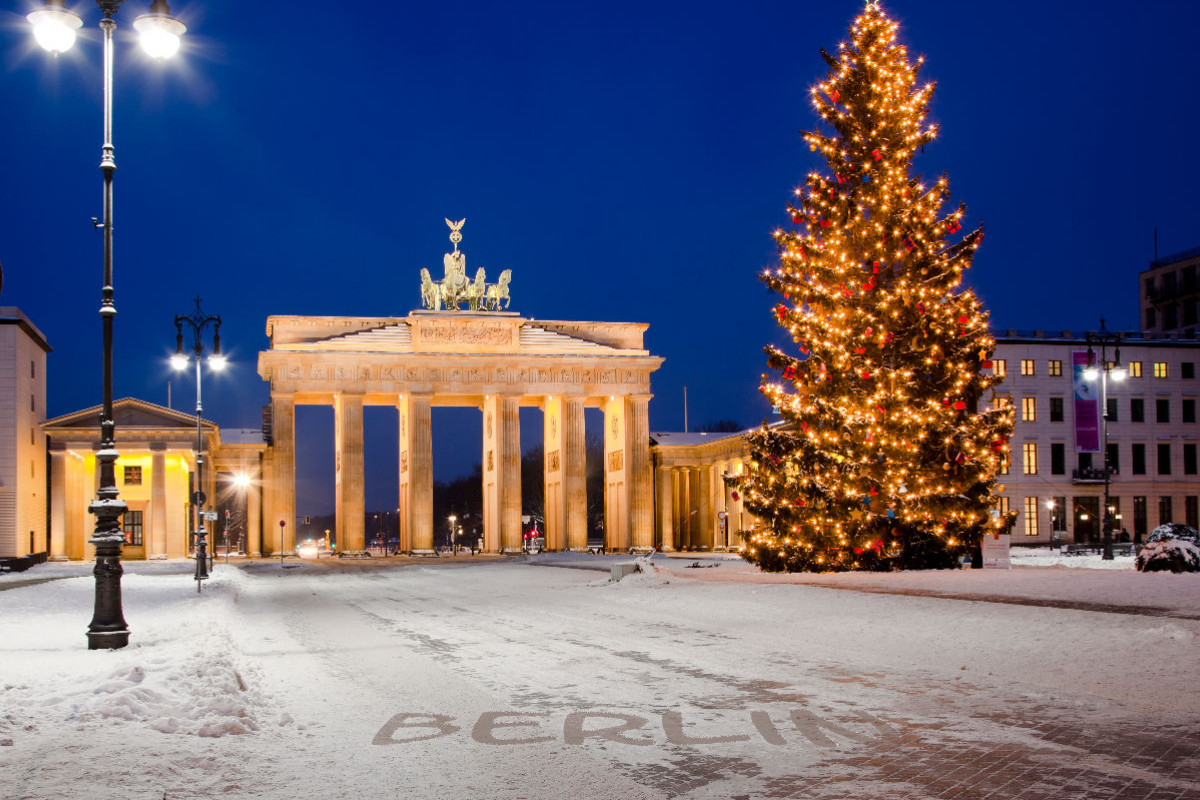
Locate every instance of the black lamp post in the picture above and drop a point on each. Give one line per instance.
(54, 28)
(1103, 339)
(197, 321)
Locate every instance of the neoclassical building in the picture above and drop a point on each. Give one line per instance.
(494, 361)
(24, 481)
(156, 476)
(696, 509)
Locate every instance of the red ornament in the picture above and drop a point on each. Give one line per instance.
(878, 155)
(987, 364)
(797, 217)
(825, 223)
(960, 459)
(860, 350)
(962, 320)
(869, 285)
(921, 307)
(781, 312)
(734, 496)
(846, 291)
(789, 372)
(953, 226)
(959, 405)
(835, 95)
(866, 374)
(858, 551)
(909, 244)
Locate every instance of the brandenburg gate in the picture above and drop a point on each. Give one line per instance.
(482, 357)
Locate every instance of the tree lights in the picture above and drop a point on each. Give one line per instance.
(886, 458)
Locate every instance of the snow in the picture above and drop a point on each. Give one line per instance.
(336, 679)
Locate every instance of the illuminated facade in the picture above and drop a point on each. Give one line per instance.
(1055, 479)
(23, 477)
(156, 477)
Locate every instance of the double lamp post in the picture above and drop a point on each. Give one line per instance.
(1103, 339)
(54, 29)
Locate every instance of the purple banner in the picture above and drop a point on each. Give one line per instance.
(1087, 406)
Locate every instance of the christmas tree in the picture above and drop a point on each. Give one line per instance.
(887, 451)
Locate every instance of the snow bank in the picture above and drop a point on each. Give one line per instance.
(179, 675)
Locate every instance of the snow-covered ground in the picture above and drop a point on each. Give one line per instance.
(539, 678)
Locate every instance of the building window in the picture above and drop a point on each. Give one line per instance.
(1114, 508)
(1139, 459)
(1031, 516)
(1058, 458)
(1189, 458)
(33, 402)
(1058, 514)
(1187, 370)
(1027, 366)
(1135, 369)
(1111, 408)
(1170, 317)
(1005, 463)
(33, 370)
(1114, 458)
(133, 476)
(1029, 450)
(1002, 505)
(1191, 511)
(999, 367)
(1160, 369)
(1189, 311)
(1137, 410)
(1056, 409)
(131, 523)
(1189, 409)
(1139, 518)
(1164, 459)
(1054, 369)
(1164, 510)
(1162, 410)
(1151, 319)
(1029, 409)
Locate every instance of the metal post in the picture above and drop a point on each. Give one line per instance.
(108, 629)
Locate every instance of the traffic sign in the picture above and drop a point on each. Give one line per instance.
(211, 516)
(721, 515)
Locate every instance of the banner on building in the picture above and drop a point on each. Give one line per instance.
(1087, 406)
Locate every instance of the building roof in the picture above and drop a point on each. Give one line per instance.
(10, 315)
(680, 439)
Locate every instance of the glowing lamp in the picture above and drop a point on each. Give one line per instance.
(54, 27)
(158, 31)
(179, 362)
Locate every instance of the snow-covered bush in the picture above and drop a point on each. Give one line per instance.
(1174, 530)
(1175, 555)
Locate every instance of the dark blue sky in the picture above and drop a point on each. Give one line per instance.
(626, 160)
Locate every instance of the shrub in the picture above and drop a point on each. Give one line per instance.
(1174, 555)
(1174, 530)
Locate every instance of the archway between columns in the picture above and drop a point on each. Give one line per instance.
(494, 361)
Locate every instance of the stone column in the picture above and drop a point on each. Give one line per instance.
(692, 523)
(616, 485)
(283, 421)
(403, 448)
(349, 470)
(705, 504)
(420, 472)
(157, 530)
(639, 477)
(553, 472)
(58, 505)
(491, 474)
(270, 523)
(254, 515)
(666, 508)
(575, 473)
(509, 457)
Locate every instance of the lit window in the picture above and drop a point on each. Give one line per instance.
(1002, 505)
(1028, 409)
(1005, 463)
(1054, 369)
(999, 367)
(1135, 369)
(1160, 369)
(1027, 367)
(133, 476)
(1029, 450)
(131, 524)
(1031, 516)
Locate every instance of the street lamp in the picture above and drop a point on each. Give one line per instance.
(453, 518)
(54, 29)
(197, 321)
(1103, 339)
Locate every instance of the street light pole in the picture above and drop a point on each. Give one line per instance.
(54, 28)
(197, 321)
(1103, 338)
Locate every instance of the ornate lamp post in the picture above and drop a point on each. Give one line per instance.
(197, 321)
(1103, 339)
(54, 29)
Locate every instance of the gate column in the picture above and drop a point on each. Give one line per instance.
(416, 473)
(283, 427)
(640, 479)
(575, 476)
(350, 504)
(552, 473)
